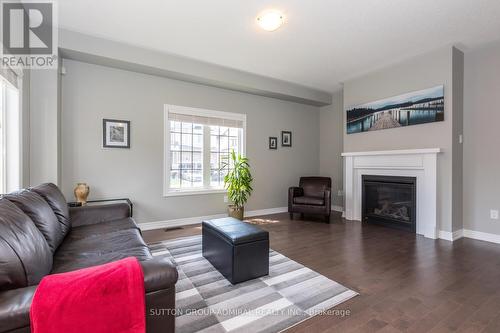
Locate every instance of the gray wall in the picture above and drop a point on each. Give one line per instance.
(44, 148)
(421, 72)
(91, 93)
(482, 138)
(25, 131)
(330, 145)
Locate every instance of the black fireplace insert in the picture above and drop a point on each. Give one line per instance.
(390, 201)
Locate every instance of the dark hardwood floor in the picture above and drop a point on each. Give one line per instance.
(406, 282)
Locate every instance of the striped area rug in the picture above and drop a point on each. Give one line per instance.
(207, 302)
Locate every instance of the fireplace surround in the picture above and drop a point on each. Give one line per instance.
(418, 163)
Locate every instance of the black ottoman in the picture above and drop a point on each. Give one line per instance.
(238, 250)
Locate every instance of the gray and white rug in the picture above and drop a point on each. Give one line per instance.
(207, 302)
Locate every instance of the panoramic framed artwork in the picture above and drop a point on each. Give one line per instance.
(115, 133)
(418, 107)
(273, 142)
(286, 139)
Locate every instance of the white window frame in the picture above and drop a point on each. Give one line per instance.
(3, 138)
(11, 178)
(169, 192)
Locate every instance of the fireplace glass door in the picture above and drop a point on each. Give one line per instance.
(390, 201)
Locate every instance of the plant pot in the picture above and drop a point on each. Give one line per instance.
(236, 212)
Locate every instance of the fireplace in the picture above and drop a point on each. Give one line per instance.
(390, 201)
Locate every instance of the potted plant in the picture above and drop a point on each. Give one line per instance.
(238, 183)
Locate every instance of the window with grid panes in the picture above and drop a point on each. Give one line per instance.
(222, 141)
(186, 152)
(199, 141)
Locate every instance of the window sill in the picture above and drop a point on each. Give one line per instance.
(182, 193)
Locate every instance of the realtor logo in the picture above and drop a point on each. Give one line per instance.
(29, 34)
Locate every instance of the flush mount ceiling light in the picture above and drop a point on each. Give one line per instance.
(270, 20)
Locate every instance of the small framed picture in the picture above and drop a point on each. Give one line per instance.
(286, 139)
(115, 133)
(273, 142)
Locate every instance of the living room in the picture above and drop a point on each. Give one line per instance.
(259, 167)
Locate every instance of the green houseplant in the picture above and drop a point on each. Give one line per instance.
(238, 183)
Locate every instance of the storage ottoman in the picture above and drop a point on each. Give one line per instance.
(238, 250)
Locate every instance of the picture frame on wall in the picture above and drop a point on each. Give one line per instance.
(286, 138)
(413, 108)
(115, 133)
(273, 142)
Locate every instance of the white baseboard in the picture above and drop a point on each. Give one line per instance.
(198, 219)
(268, 211)
(451, 236)
(178, 222)
(466, 233)
(484, 236)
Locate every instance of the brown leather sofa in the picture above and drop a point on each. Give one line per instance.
(40, 235)
(312, 196)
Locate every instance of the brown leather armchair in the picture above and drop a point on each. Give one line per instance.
(313, 196)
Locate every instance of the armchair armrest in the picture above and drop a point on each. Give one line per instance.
(85, 215)
(292, 193)
(295, 192)
(328, 200)
(15, 308)
(159, 273)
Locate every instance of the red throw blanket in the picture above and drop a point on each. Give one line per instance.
(102, 299)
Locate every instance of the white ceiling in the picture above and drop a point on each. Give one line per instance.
(323, 42)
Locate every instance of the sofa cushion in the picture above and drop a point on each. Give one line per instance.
(39, 211)
(101, 228)
(57, 202)
(111, 241)
(66, 262)
(314, 201)
(11, 269)
(25, 256)
(99, 249)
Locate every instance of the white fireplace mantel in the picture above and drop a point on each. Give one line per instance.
(419, 163)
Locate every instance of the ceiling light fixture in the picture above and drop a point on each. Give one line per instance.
(270, 20)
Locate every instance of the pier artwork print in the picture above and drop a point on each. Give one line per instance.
(418, 107)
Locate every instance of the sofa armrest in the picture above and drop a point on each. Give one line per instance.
(85, 215)
(15, 308)
(159, 273)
